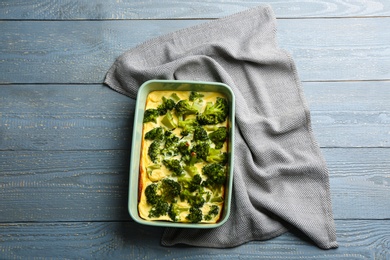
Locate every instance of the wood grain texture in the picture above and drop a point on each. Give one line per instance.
(58, 186)
(358, 239)
(72, 117)
(359, 180)
(65, 138)
(168, 9)
(351, 96)
(352, 129)
(82, 52)
(93, 185)
(350, 114)
(87, 117)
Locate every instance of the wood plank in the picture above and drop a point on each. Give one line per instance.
(338, 49)
(82, 51)
(359, 180)
(358, 239)
(342, 110)
(88, 117)
(103, 9)
(348, 96)
(93, 185)
(71, 117)
(84, 185)
(351, 129)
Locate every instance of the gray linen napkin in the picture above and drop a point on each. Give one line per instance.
(280, 178)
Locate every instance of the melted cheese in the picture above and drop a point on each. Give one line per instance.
(153, 100)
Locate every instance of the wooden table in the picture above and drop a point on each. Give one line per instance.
(65, 137)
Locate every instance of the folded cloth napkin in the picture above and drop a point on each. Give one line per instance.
(280, 178)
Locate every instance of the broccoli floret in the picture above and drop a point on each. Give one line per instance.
(201, 150)
(189, 157)
(183, 108)
(197, 100)
(170, 189)
(200, 134)
(214, 195)
(195, 154)
(214, 210)
(195, 215)
(191, 170)
(175, 210)
(219, 137)
(193, 158)
(196, 180)
(194, 199)
(159, 209)
(156, 133)
(171, 139)
(167, 104)
(187, 123)
(187, 126)
(151, 194)
(214, 113)
(151, 115)
(159, 196)
(195, 95)
(215, 173)
(174, 165)
(168, 121)
(216, 156)
(154, 151)
(191, 183)
(184, 148)
(171, 143)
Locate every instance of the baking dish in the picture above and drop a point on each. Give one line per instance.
(177, 85)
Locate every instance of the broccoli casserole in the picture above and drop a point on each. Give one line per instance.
(184, 155)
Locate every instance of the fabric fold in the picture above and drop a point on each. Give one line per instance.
(280, 177)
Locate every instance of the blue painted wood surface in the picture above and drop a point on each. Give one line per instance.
(65, 137)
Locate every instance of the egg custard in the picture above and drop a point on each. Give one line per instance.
(184, 155)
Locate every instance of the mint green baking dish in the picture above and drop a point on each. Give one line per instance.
(176, 85)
